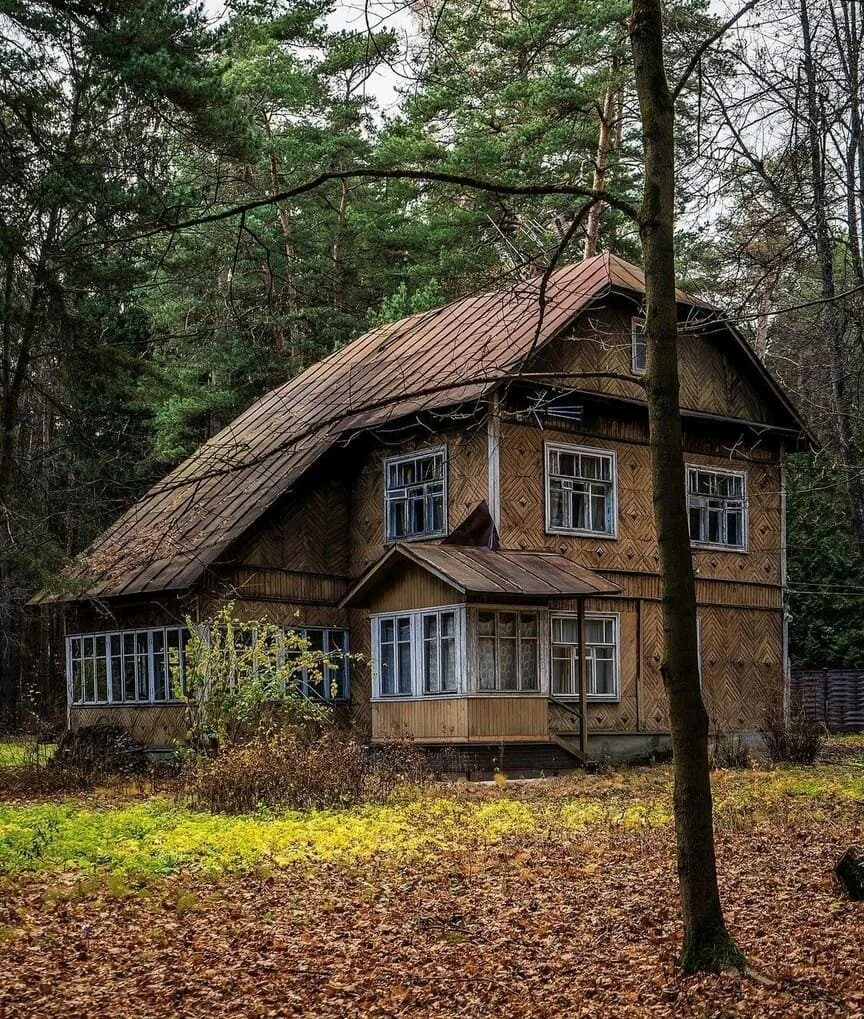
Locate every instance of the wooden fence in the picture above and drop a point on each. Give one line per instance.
(832, 696)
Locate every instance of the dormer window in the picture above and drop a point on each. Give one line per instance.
(638, 347)
(415, 495)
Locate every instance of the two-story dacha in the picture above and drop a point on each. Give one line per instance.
(462, 500)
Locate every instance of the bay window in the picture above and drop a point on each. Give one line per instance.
(418, 653)
(508, 651)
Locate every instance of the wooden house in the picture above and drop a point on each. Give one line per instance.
(463, 498)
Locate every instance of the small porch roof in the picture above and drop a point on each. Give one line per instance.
(487, 573)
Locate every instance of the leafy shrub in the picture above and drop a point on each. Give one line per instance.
(241, 681)
(795, 739)
(100, 749)
(291, 769)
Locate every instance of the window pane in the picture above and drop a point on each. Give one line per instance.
(117, 687)
(528, 624)
(507, 624)
(142, 659)
(388, 671)
(430, 666)
(565, 631)
(696, 524)
(160, 673)
(404, 660)
(487, 663)
(604, 674)
(562, 673)
(557, 505)
(528, 666)
(448, 664)
(508, 676)
(77, 681)
(386, 630)
(733, 528)
(486, 623)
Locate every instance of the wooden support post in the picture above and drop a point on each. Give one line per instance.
(583, 679)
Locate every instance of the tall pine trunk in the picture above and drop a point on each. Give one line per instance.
(707, 945)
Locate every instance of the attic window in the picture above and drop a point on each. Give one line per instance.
(638, 347)
(415, 490)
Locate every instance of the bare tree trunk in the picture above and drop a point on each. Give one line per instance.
(604, 148)
(707, 945)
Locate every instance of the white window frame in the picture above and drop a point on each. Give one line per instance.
(612, 509)
(416, 617)
(542, 651)
(637, 328)
(720, 546)
(108, 635)
(592, 697)
(419, 454)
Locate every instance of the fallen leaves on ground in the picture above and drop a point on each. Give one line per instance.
(535, 922)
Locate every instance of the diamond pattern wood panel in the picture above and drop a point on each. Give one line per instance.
(156, 726)
(713, 378)
(635, 548)
(467, 484)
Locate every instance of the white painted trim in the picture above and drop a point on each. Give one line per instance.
(637, 324)
(416, 618)
(493, 459)
(404, 458)
(713, 546)
(592, 698)
(567, 447)
(542, 614)
(109, 699)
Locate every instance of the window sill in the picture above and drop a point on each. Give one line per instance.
(431, 536)
(508, 693)
(563, 532)
(591, 699)
(401, 698)
(708, 546)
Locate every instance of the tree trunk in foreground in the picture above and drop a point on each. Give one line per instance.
(707, 945)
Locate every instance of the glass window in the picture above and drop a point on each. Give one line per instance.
(638, 347)
(508, 651)
(601, 656)
(716, 502)
(414, 495)
(394, 656)
(330, 682)
(124, 667)
(580, 490)
(418, 653)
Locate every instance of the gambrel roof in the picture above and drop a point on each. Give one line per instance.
(434, 359)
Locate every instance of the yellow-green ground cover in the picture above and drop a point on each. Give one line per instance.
(548, 898)
(153, 836)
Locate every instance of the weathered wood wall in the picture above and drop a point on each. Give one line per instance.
(715, 378)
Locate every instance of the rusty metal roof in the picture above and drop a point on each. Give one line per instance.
(434, 359)
(502, 573)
